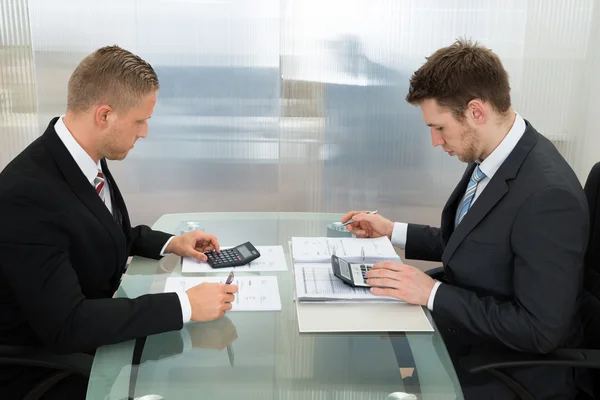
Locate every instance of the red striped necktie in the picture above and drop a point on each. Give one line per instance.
(99, 185)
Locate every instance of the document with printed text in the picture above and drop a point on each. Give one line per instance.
(316, 282)
(320, 249)
(272, 259)
(255, 293)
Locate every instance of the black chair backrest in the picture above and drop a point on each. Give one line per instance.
(592, 192)
(591, 297)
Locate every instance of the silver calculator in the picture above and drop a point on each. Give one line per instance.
(351, 274)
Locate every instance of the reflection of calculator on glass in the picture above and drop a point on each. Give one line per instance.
(351, 274)
(234, 257)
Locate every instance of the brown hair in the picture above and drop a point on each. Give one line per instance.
(113, 76)
(457, 74)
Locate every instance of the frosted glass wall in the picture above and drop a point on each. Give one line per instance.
(299, 105)
(18, 123)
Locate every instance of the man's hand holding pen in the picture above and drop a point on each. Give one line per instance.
(366, 225)
(211, 301)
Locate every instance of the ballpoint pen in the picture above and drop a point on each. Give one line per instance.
(350, 221)
(229, 347)
(362, 254)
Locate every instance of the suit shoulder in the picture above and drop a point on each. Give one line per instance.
(28, 177)
(544, 167)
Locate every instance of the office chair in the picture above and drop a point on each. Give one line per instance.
(586, 357)
(64, 364)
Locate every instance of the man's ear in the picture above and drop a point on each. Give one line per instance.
(103, 113)
(476, 111)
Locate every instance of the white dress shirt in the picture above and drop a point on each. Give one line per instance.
(90, 171)
(489, 167)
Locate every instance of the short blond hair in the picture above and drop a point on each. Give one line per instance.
(110, 75)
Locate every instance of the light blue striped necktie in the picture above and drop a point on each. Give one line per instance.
(465, 204)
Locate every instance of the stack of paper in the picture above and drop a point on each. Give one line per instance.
(313, 274)
(326, 304)
(316, 282)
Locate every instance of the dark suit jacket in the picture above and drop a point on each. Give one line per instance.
(62, 256)
(515, 262)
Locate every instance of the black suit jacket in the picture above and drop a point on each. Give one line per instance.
(62, 256)
(515, 262)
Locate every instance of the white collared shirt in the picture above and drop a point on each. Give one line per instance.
(90, 170)
(489, 167)
(84, 161)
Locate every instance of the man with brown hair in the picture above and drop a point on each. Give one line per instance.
(66, 234)
(513, 233)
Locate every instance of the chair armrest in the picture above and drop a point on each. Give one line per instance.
(77, 363)
(585, 358)
(437, 273)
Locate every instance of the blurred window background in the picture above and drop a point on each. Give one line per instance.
(289, 105)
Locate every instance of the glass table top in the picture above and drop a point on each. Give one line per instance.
(262, 355)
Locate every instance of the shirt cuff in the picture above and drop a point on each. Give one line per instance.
(186, 307)
(399, 234)
(162, 251)
(432, 295)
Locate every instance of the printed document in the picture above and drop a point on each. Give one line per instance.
(320, 249)
(272, 259)
(255, 293)
(316, 282)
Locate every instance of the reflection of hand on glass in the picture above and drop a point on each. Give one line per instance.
(216, 334)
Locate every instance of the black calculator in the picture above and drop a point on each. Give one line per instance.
(234, 257)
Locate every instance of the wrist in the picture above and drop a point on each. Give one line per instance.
(390, 230)
(171, 245)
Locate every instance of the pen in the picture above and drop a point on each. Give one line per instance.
(362, 254)
(229, 347)
(350, 221)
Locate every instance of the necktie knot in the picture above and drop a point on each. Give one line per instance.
(478, 174)
(467, 200)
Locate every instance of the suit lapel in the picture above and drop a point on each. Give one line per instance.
(449, 211)
(495, 190)
(82, 188)
(117, 199)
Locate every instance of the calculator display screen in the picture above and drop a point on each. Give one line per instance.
(344, 269)
(244, 251)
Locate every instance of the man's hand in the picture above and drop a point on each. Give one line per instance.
(193, 244)
(401, 281)
(210, 301)
(368, 225)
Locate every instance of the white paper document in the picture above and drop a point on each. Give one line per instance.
(316, 282)
(255, 293)
(271, 259)
(320, 249)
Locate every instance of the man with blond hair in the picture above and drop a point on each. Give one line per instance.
(66, 233)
